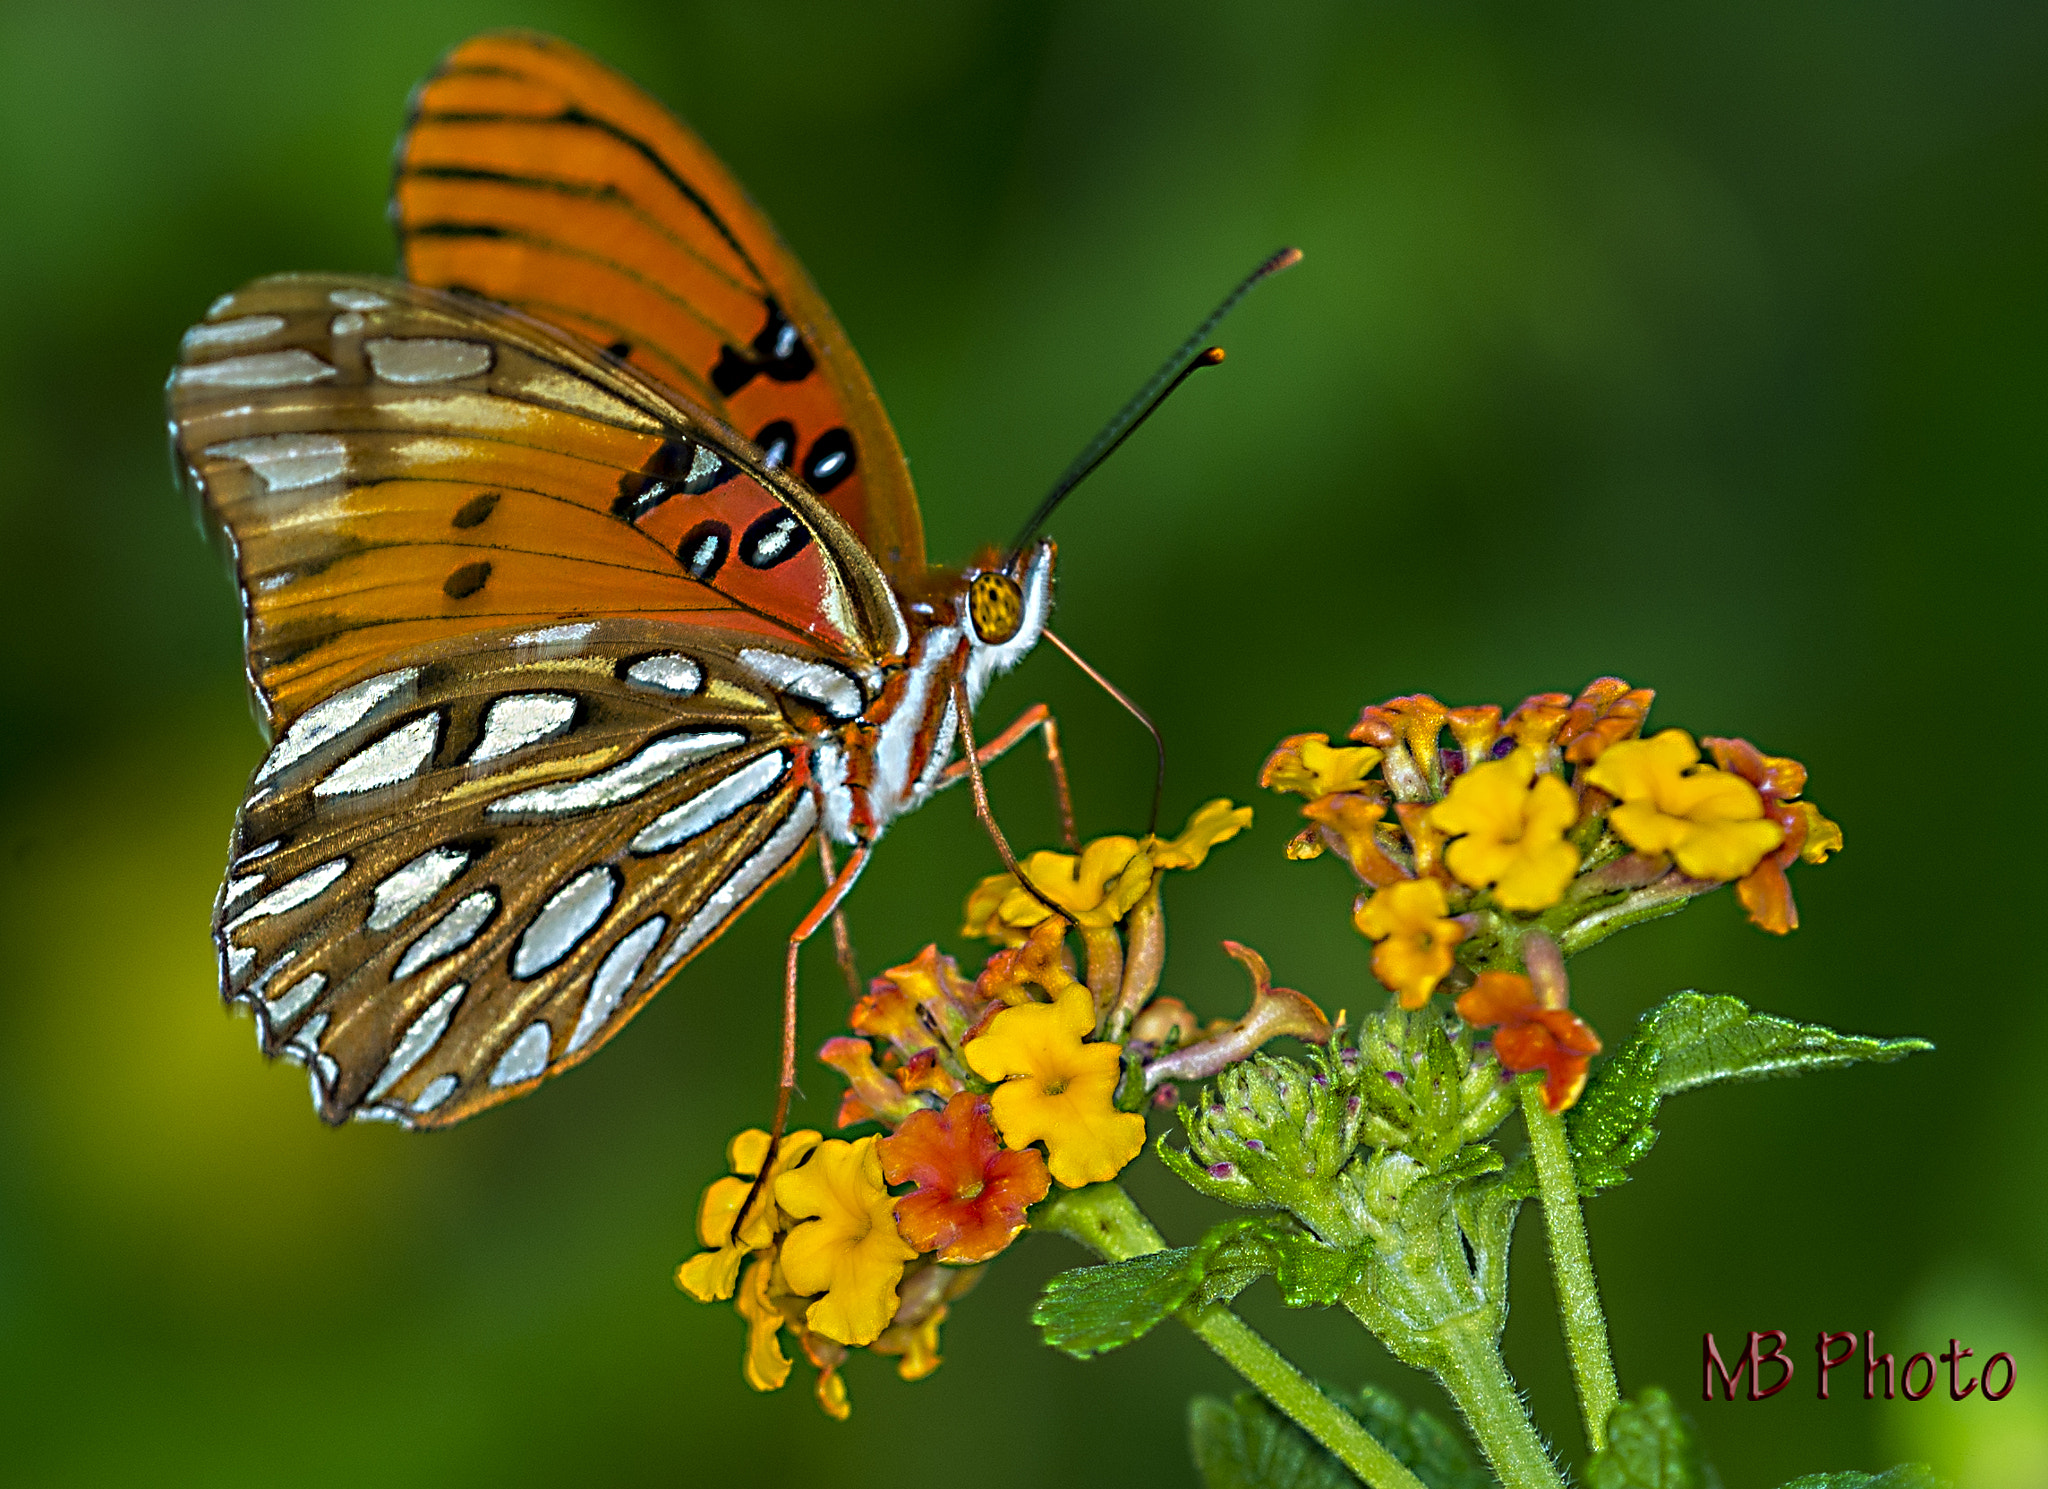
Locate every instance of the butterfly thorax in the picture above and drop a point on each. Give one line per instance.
(977, 626)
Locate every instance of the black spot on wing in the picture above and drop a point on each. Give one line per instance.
(775, 537)
(777, 353)
(466, 581)
(703, 550)
(830, 462)
(476, 509)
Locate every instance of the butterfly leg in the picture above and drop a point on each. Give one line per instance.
(1038, 717)
(842, 938)
(827, 906)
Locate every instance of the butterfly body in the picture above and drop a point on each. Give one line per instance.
(562, 669)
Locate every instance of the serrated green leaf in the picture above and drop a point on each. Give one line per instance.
(1436, 1453)
(1649, 1446)
(1690, 1040)
(1708, 1037)
(1309, 1273)
(1091, 1310)
(1245, 1444)
(1905, 1476)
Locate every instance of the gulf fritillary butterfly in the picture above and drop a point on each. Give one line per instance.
(583, 587)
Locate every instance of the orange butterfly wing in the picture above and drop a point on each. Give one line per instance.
(533, 175)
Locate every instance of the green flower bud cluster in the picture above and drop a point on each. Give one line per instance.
(1432, 1097)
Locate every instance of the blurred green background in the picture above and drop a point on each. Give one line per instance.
(1705, 344)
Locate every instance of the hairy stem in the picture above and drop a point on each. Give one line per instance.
(1108, 1222)
(1479, 1382)
(1571, 1264)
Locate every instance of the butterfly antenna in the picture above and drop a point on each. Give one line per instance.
(1189, 358)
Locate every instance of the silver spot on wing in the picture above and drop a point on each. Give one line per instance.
(814, 682)
(427, 359)
(713, 805)
(294, 367)
(293, 892)
(348, 323)
(292, 1002)
(569, 915)
(287, 462)
(667, 672)
(520, 719)
(646, 769)
(356, 299)
(238, 332)
(306, 1043)
(782, 845)
(439, 1089)
(614, 975)
(573, 634)
(239, 887)
(449, 934)
(405, 889)
(329, 719)
(527, 1058)
(420, 1036)
(398, 756)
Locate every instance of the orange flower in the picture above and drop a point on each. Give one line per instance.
(1410, 921)
(971, 1192)
(1532, 1037)
(1765, 892)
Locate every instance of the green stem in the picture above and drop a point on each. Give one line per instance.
(1104, 1219)
(1479, 1382)
(1571, 1264)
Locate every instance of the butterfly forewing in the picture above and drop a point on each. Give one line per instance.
(533, 175)
(466, 872)
(398, 467)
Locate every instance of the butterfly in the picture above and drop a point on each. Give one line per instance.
(583, 591)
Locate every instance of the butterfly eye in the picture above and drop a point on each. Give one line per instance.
(996, 606)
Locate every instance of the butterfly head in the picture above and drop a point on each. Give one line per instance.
(1006, 606)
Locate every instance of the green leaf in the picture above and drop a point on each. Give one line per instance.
(1094, 1309)
(1309, 1273)
(1649, 1446)
(1708, 1037)
(1245, 1444)
(1905, 1476)
(1436, 1453)
(1691, 1039)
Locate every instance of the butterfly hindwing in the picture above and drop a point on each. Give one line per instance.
(466, 872)
(398, 467)
(533, 175)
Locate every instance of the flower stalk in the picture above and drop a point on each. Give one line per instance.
(1104, 1219)
(1571, 1265)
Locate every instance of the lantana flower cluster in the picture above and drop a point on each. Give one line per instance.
(966, 1101)
(1486, 860)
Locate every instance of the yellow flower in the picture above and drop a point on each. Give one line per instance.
(849, 1250)
(1308, 765)
(766, 1366)
(710, 1274)
(1710, 821)
(1410, 921)
(1216, 822)
(1513, 821)
(1101, 884)
(1057, 1089)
